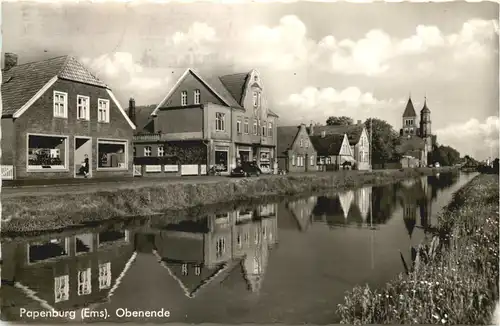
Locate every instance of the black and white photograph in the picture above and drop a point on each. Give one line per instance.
(250, 162)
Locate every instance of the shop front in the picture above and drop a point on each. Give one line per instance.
(265, 159)
(221, 160)
(243, 154)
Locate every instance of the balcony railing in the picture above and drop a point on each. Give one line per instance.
(148, 137)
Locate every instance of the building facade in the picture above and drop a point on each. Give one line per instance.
(295, 151)
(358, 140)
(56, 116)
(206, 122)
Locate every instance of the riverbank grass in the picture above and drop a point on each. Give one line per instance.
(454, 282)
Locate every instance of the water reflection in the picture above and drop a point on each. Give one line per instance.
(227, 267)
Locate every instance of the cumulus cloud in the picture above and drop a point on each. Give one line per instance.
(120, 71)
(319, 103)
(472, 137)
(287, 45)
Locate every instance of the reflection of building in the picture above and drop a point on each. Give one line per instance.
(67, 273)
(346, 199)
(362, 198)
(55, 115)
(196, 253)
(301, 211)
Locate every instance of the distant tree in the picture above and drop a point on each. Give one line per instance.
(339, 121)
(445, 155)
(385, 140)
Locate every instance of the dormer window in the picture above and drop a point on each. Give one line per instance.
(255, 78)
(184, 98)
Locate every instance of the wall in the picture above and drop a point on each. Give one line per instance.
(363, 146)
(39, 118)
(179, 120)
(8, 141)
(190, 84)
(306, 152)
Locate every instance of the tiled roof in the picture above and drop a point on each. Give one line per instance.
(328, 145)
(22, 82)
(217, 85)
(409, 110)
(285, 137)
(143, 116)
(235, 84)
(353, 132)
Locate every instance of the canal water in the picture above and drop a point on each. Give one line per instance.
(279, 262)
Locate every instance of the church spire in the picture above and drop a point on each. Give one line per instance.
(425, 108)
(409, 110)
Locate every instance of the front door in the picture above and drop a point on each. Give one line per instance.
(83, 157)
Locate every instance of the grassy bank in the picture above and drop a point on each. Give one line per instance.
(454, 279)
(55, 212)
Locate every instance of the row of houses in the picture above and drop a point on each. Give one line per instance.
(60, 121)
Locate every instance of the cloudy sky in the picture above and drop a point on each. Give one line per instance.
(316, 59)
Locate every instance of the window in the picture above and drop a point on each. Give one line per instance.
(255, 127)
(270, 129)
(264, 232)
(184, 98)
(82, 107)
(255, 99)
(220, 121)
(301, 142)
(161, 150)
(184, 269)
(60, 105)
(293, 160)
(238, 126)
(264, 124)
(84, 282)
(47, 152)
(103, 110)
(43, 250)
(83, 243)
(307, 143)
(245, 127)
(112, 154)
(61, 288)
(147, 151)
(220, 247)
(312, 160)
(111, 237)
(197, 270)
(197, 96)
(104, 276)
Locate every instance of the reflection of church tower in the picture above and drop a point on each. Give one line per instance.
(346, 199)
(425, 204)
(254, 266)
(409, 217)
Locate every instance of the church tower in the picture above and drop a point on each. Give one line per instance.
(425, 121)
(409, 121)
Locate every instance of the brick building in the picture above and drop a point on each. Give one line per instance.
(295, 151)
(55, 115)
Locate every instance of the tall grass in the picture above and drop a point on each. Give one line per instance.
(454, 279)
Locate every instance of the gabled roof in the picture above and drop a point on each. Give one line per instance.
(330, 144)
(353, 132)
(285, 137)
(409, 110)
(228, 88)
(22, 82)
(235, 84)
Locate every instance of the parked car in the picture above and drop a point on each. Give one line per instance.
(436, 165)
(246, 169)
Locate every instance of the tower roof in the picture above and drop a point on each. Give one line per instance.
(425, 109)
(409, 110)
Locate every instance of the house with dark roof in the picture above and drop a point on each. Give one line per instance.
(416, 137)
(56, 116)
(358, 140)
(67, 273)
(295, 151)
(210, 121)
(333, 151)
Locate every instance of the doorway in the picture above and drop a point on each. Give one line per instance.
(82, 153)
(221, 159)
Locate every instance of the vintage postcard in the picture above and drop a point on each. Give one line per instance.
(253, 162)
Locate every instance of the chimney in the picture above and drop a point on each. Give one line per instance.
(359, 122)
(10, 60)
(311, 129)
(131, 110)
